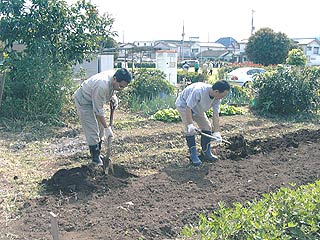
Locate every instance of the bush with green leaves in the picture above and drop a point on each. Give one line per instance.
(147, 84)
(36, 89)
(191, 77)
(286, 214)
(296, 57)
(151, 106)
(54, 37)
(239, 96)
(287, 91)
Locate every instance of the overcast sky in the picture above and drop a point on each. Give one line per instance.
(138, 20)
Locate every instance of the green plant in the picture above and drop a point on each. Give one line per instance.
(44, 92)
(227, 110)
(239, 96)
(286, 214)
(267, 47)
(288, 91)
(147, 84)
(150, 106)
(167, 115)
(296, 57)
(54, 37)
(172, 115)
(191, 77)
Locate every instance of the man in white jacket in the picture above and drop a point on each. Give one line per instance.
(192, 103)
(90, 98)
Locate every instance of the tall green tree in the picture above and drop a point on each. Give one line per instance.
(69, 33)
(55, 37)
(267, 47)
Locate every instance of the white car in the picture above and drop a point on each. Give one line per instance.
(243, 76)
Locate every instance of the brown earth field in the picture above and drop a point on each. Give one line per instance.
(154, 191)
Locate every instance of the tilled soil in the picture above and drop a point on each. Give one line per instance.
(154, 191)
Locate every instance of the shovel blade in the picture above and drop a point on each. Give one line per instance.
(107, 164)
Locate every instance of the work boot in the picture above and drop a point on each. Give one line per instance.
(95, 154)
(191, 141)
(99, 144)
(206, 148)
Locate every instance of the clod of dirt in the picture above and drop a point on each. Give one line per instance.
(86, 179)
(238, 147)
(120, 172)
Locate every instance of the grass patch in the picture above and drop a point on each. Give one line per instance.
(150, 106)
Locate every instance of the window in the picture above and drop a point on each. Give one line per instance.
(316, 50)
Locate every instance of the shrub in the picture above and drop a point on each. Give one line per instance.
(36, 89)
(151, 106)
(286, 214)
(147, 84)
(296, 57)
(191, 77)
(287, 91)
(239, 96)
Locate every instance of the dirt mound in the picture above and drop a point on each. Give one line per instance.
(86, 179)
(241, 147)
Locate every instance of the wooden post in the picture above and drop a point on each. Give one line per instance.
(54, 226)
(2, 79)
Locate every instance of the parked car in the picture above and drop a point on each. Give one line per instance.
(243, 76)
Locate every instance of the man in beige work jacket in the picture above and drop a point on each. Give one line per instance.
(90, 98)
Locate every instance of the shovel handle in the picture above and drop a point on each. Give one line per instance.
(112, 108)
(210, 136)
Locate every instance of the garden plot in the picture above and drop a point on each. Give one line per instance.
(157, 191)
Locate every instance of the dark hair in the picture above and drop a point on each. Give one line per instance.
(123, 74)
(221, 86)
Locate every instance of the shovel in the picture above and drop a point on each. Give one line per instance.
(107, 164)
(212, 137)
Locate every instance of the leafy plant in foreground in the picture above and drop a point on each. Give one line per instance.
(286, 214)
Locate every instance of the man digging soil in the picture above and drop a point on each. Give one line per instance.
(192, 103)
(90, 98)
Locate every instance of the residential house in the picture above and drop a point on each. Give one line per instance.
(125, 51)
(241, 54)
(183, 48)
(207, 50)
(230, 43)
(208, 55)
(165, 45)
(311, 48)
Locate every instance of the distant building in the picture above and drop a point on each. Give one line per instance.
(310, 47)
(230, 43)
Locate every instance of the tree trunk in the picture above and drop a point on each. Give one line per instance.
(2, 79)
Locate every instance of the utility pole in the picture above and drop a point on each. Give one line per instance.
(252, 27)
(182, 50)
